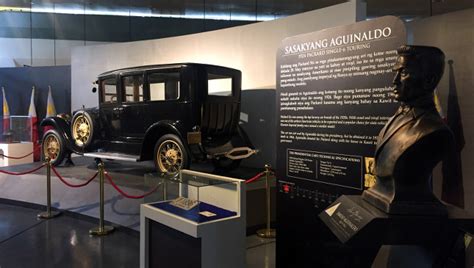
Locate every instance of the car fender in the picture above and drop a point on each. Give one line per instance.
(158, 129)
(63, 128)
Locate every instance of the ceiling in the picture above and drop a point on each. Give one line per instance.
(231, 9)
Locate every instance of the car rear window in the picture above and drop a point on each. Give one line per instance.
(164, 86)
(219, 85)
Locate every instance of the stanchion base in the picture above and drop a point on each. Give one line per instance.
(266, 233)
(46, 215)
(101, 231)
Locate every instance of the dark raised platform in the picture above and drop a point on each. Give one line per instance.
(354, 220)
(358, 224)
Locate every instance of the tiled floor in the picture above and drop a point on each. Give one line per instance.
(60, 242)
(132, 178)
(64, 241)
(28, 242)
(260, 252)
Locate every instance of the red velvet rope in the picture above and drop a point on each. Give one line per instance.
(73, 185)
(16, 157)
(127, 195)
(256, 177)
(22, 173)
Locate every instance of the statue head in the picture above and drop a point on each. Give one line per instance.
(417, 72)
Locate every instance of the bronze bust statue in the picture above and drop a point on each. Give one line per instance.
(414, 140)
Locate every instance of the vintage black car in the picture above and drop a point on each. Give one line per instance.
(172, 114)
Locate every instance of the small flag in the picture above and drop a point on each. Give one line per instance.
(453, 187)
(50, 108)
(6, 113)
(34, 127)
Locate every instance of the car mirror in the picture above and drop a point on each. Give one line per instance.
(94, 90)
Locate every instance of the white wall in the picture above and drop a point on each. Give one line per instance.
(16, 52)
(251, 49)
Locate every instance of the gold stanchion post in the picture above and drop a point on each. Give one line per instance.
(267, 232)
(48, 214)
(101, 230)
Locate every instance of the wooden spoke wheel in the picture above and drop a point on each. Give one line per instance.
(53, 147)
(170, 154)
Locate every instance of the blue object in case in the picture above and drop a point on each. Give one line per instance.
(193, 214)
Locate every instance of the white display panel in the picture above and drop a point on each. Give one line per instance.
(250, 48)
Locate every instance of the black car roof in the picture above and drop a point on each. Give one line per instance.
(159, 66)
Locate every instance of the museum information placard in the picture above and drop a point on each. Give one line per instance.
(334, 94)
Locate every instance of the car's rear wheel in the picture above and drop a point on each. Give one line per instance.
(53, 147)
(82, 129)
(170, 155)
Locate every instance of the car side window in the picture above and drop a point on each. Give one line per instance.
(164, 86)
(132, 88)
(109, 90)
(219, 85)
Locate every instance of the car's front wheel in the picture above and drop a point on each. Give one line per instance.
(170, 155)
(53, 147)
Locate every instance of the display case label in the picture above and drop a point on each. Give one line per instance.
(345, 218)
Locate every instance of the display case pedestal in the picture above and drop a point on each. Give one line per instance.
(209, 235)
(16, 149)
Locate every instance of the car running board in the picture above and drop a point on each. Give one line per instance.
(114, 156)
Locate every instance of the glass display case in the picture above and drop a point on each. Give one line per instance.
(198, 213)
(15, 141)
(194, 196)
(19, 129)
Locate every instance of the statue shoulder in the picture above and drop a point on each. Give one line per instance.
(431, 122)
(433, 131)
